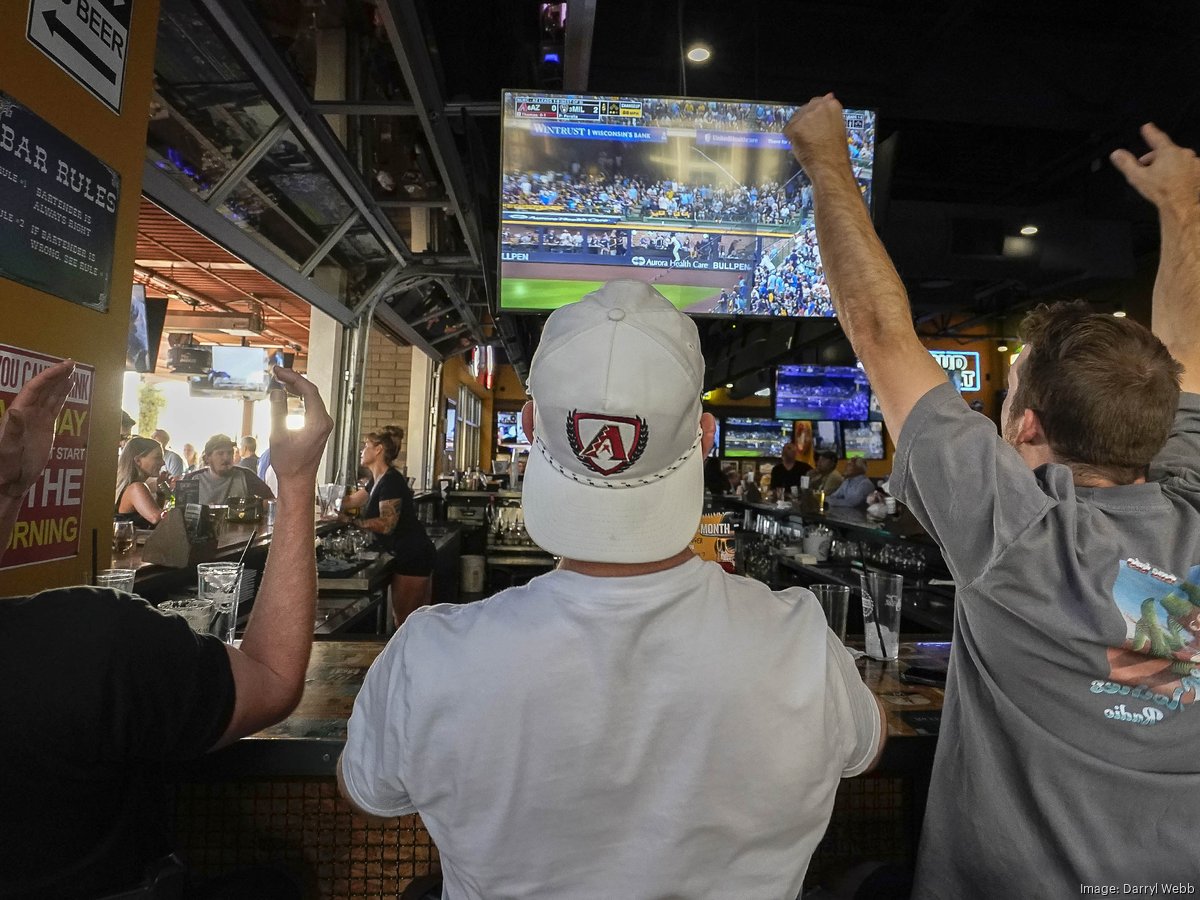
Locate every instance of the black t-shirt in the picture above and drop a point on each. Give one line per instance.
(409, 535)
(99, 693)
(785, 478)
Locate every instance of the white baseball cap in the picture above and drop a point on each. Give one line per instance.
(615, 473)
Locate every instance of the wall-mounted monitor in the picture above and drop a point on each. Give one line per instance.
(508, 429)
(863, 440)
(827, 436)
(831, 393)
(146, 318)
(242, 372)
(701, 198)
(754, 437)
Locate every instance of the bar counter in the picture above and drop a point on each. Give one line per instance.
(272, 796)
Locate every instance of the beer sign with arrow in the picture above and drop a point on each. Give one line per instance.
(88, 39)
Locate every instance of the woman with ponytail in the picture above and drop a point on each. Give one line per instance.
(387, 511)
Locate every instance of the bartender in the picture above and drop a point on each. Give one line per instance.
(220, 480)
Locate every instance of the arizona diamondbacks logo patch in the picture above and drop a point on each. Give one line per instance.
(606, 444)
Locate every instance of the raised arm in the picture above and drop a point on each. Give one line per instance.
(1169, 177)
(269, 669)
(869, 298)
(26, 438)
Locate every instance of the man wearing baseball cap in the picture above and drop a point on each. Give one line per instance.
(220, 480)
(638, 722)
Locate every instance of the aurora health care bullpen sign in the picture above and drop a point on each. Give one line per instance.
(58, 210)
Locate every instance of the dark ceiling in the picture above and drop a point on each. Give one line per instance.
(993, 115)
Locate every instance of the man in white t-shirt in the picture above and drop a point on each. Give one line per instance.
(637, 723)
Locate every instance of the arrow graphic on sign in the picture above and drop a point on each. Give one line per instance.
(57, 28)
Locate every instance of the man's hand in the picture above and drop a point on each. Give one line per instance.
(27, 429)
(1168, 176)
(817, 131)
(295, 455)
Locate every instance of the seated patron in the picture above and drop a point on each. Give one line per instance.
(101, 694)
(141, 458)
(220, 480)
(248, 457)
(172, 461)
(825, 477)
(856, 487)
(788, 471)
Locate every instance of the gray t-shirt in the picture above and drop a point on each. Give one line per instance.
(1069, 751)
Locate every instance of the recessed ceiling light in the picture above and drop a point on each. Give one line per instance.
(729, 386)
(699, 53)
(1120, 313)
(1003, 348)
(1029, 230)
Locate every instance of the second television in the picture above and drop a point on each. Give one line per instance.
(822, 393)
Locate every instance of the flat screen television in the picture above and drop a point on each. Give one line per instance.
(863, 440)
(242, 372)
(754, 437)
(146, 318)
(508, 429)
(817, 393)
(701, 198)
(827, 435)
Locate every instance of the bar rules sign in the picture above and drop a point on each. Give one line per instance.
(58, 210)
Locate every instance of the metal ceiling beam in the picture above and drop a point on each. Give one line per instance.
(387, 108)
(382, 285)
(331, 241)
(577, 49)
(389, 320)
(247, 162)
(236, 22)
(415, 204)
(409, 42)
(192, 211)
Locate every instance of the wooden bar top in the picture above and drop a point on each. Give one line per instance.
(309, 741)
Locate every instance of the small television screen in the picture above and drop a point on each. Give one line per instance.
(836, 393)
(863, 439)
(827, 436)
(508, 429)
(701, 198)
(236, 371)
(755, 437)
(146, 318)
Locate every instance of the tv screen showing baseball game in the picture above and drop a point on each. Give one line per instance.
(863, 439)
(754, 437)
(701, 198)
(816, 393)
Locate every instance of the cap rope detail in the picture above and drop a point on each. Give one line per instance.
(633, 482)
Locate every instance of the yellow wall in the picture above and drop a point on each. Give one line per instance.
(37, 321)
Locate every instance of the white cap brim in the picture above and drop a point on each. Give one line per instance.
(640, 524)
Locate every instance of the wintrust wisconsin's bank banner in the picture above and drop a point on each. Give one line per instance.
(48, 525)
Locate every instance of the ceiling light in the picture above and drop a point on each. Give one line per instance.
(699, 53)
(729, 387)
(1003, 348)
(1120, 313)
(1029, 230)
